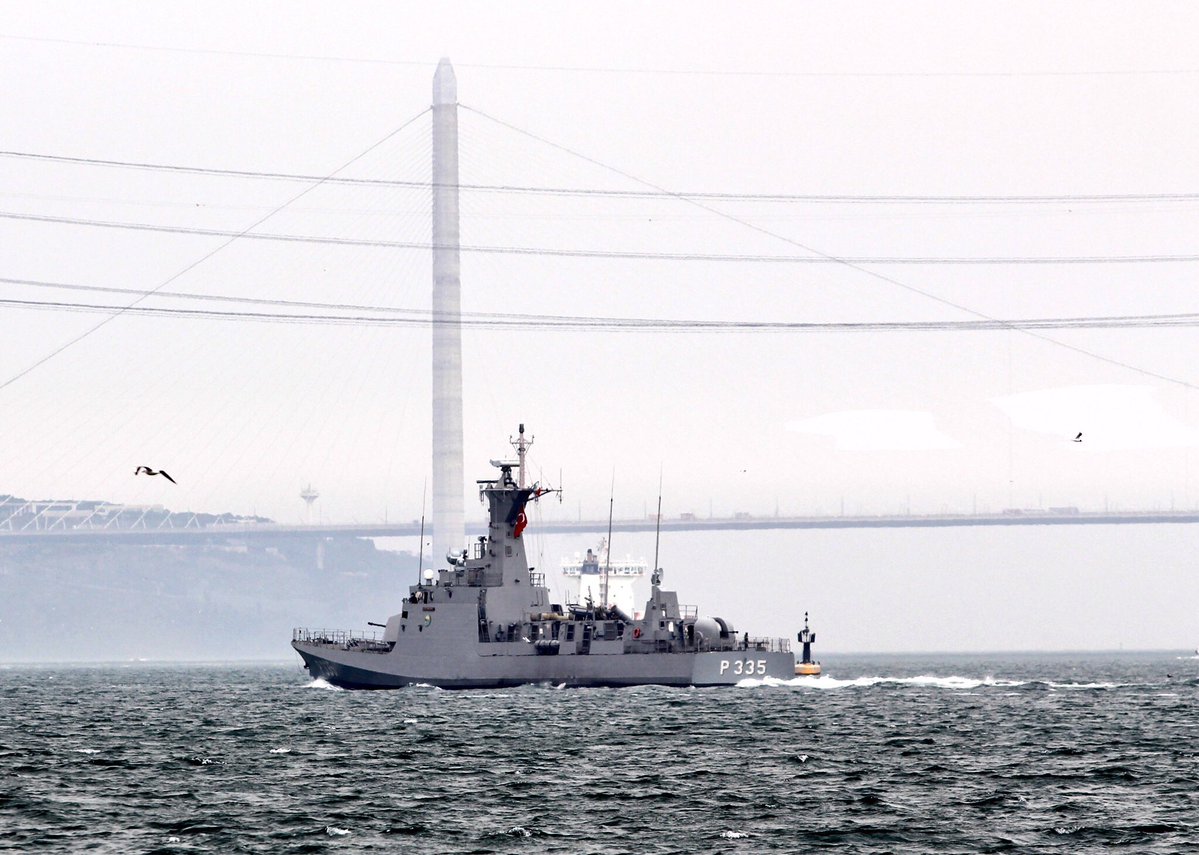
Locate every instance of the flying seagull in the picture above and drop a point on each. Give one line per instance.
(1079, 437)
(146, 470)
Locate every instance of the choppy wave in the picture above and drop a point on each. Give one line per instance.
(322, 683)
(1036, 755)
(827, 681)
(931, 681)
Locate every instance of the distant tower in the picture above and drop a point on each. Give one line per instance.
(449, 527)
(309, 496)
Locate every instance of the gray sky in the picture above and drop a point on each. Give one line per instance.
(936, 99)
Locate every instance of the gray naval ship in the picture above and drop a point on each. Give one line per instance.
(486, 621)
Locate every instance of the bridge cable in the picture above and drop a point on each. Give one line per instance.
(590, 69)
(830, 198)
(844, 262)
(232, 238)
(819, 258)
(499, 320)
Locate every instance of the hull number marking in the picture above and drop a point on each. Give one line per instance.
(744, 666)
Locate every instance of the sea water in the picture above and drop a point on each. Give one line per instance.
(981, 753)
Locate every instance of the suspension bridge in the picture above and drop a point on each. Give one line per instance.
(362, 232)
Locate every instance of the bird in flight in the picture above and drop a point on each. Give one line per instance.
(146, 470)
(1079, 437)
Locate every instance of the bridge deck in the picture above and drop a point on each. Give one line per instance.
(225, 533)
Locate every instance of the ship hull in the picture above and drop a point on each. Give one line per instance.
(352, 669)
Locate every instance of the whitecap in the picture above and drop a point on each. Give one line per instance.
(734, 835)
(334, 831)
(826, 681)
(409, 721)
(280, 750)
(87, 750)
(956, 682)
(322, 683)
(520, 831)
(1053, 685)
(174, 840)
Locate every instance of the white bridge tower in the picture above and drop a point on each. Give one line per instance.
(449, 526)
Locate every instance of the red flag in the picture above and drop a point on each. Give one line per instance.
(521, 522)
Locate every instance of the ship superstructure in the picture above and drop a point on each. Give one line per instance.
(486, 620)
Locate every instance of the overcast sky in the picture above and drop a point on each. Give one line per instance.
(1063, 100)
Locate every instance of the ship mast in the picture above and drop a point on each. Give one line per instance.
(608, 544)
(522, 446)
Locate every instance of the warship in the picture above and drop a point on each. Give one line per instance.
(486, 621)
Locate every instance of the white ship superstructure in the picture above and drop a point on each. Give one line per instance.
(585, 579)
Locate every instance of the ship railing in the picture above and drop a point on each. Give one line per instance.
(343, 639)
(767, 645)
(688, 612)
(716, 646)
